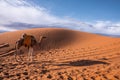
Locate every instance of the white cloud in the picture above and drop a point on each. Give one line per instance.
(7, 28)
(107, 27)
(22, 11)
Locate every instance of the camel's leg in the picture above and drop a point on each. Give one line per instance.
(31, 54)
(16, 52)
(15, 55)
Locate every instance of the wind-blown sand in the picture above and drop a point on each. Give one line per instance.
(63, 55)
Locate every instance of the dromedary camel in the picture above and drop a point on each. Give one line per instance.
(27, 41)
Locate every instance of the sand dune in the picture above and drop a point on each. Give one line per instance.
(63, 55)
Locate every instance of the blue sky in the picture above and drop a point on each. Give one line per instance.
(95, 16)
(85, 10)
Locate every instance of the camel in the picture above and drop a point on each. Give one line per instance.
(27, 41)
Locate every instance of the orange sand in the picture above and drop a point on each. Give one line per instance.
(63, 55)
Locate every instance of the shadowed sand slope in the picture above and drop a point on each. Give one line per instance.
(56, 38)
(63, 55)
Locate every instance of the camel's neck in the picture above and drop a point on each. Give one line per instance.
(40, 40)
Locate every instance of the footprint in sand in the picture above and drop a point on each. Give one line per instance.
(25, 73)
(6, 75)
(49, 76)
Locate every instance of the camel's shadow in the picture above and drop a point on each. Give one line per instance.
(82, 63)
(72, 63)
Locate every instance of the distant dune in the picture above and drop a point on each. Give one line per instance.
(63, 55)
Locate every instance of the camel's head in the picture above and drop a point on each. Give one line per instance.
(44, 37)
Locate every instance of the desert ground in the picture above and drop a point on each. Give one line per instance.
(63, 55)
